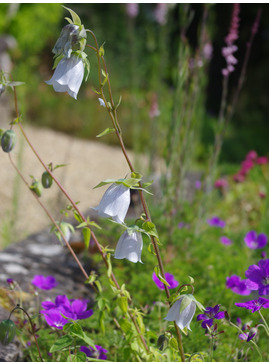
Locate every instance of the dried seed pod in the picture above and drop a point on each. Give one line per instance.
(46, 180)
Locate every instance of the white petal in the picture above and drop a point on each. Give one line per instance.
(68, 76)
(173, 312)
(115, 203)
(129, 247)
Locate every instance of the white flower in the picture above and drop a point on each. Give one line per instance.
(129, 246)
(115, 203)
(68, 76)
(182, 312)
(101, 102)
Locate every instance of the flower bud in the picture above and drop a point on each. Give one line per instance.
(2, 89)
(8, 140)
(162, 342)
(37, 188)
(7, 331)
(46, 180)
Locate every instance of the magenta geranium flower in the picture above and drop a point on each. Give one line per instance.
(45, 283)
(99, 353)
(262, 160)
(216, 221)
(209, 315)
(168, 277)
(255, 241)
(221, 183)
(72, 309)
(258, 276)
(225, 241)
(238, 285)
(254, 305)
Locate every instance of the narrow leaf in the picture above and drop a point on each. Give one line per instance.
(105, 132)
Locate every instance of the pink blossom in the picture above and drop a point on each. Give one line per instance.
(262, 160)
(221, 183)
(160, 13)
(252, 155)
(132, 10)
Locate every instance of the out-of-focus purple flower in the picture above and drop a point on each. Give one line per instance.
(215, 221)
(169, 278)
(208, 51)
(254, 241)
(99, 353)
(238, 321)
(263, 255)
(238, 285)
(225, 241)
(258, 276)
(228, 51)
(262, 160)
(160, 13)
(239, 177)
(221, 183)
(72, 309)
(247, 336)
(132, 10)
(209, 315)
(45, 283)
(252, 155)
(246, 166)
(198, 185)
(254, 305)
(181, 225)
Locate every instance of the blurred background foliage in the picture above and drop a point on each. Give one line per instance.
(143, 57)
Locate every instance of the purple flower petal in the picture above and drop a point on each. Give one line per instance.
(45, 283)
(215, 221)
(168, 277)
(225, 241)
(254, 241)
(238, 286)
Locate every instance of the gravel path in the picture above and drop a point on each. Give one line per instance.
(89, 162)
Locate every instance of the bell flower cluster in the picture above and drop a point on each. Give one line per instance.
(70, 60)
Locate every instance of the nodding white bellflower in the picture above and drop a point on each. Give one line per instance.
(115, 203)
(129, 246)
(68, 76)
(182, 312)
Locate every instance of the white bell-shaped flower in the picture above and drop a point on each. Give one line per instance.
(68, 76)
(182, 315)
(115, 203)
(129, 246)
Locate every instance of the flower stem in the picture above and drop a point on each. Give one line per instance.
(113, 115)
(32, 327)
(80, 214)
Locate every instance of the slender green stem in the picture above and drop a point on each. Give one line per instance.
(265, 323)
(31, 324)
(113, 115)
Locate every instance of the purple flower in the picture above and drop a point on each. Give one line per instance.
(215, 221)
(258, 276)
(45, 283)
(54, 318)
(254, 305)
(225, 241)
(73, 309)
(247, 336)
(209, 315)
(238, 285)
(254, 241)
(198, 185)
(99, 353)
(168, 277)
(132, 10)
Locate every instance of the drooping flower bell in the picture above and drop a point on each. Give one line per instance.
(182, 311)
(68, 76)
(68, 38)
(129, 246)
(115, 203)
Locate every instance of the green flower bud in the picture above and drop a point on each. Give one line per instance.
(37, 188)
(46, 180)
(7, 331)
(8, 140)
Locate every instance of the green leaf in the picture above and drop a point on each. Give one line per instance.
(62, 343)
(105, 132)
(79, 357)
(173, 343)
(86, 232)
(123, 303)
(109, 269)
(150, 228)
(75, 17)
(78, 217)
(77, 331)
